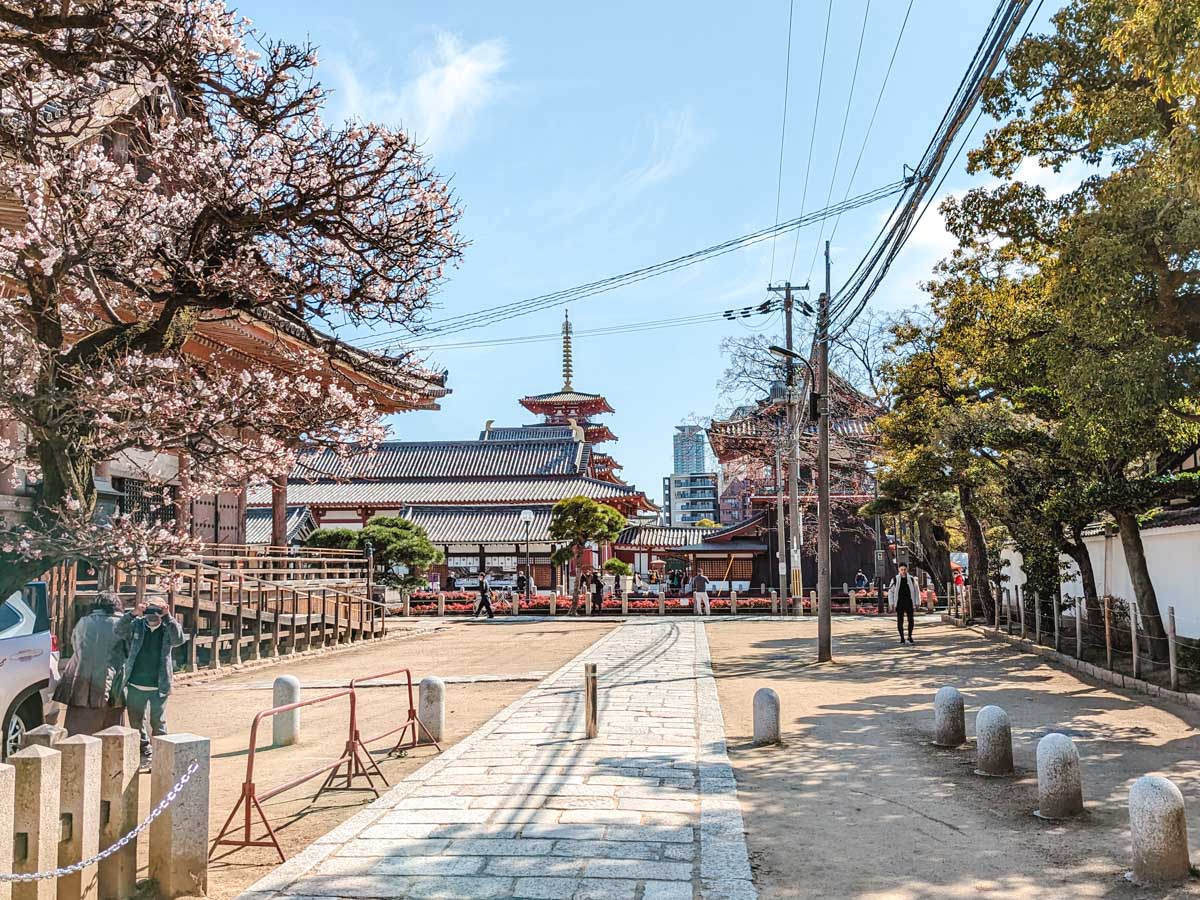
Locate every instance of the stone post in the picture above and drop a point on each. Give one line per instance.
(766, 717)
(120, 755)
(79, 802)
(431, 707)
(993, 738)
(733, 603)
(812, 603)
(624, 603)
(179, 837)
(8, 787)
(949, 724)
(35, 819)
(774, 603)
(553, 601)
(853, 602)
(1171, 648)
(285, 726)
(405, 604)
(662, 604)
(1158, 826)
(441, 607)
(44, 736)
(1060, 793)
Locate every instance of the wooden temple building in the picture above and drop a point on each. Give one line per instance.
(749, 440)
(469, 495)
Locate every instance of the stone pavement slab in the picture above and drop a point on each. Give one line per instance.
(526, 807)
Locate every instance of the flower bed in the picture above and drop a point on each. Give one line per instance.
(463, 603)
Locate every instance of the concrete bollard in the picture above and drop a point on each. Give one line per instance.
(949, 723)
(8, 787)
(624, 603)
(766, 717)
(662, 604)
(285, 727)
(441, 607)
(733, 603)
(993, 742)
(812, 603)
(1060, 794)
(35, 820)
(120, 756)
(854, 603)
(1158, 826)
(79, 802)
(179, 837)
(431, 707)
(774, 603)
(44, 736)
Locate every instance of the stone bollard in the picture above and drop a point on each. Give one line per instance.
(441, 607)
(774, 603)
(120, 755)
(949, 723)
(624, 603)
(733, 603)
(179, 837)
(993, 742)
(8, 787)
(44, 736)
(1158, 826)
(79, 802)
(431, 707)
(662, 604)
(812, 603)
(35, 819)
(766, 717)
(285, 726)
(1060, 794)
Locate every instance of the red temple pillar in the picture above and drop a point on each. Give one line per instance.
(279, 511)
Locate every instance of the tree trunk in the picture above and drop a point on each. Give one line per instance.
(936, 549)
(977, 552)
(1075, 548)
(578, 592)
(1143, 588)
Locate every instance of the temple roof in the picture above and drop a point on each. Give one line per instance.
(537, 432)
(593, 403)
(481, 524)
(447, 491)
(661, 537)
(300, 522)
(439, 459)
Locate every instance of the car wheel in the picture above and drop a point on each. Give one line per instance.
(21, 721)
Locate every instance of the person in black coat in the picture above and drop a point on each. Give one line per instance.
(597, 592)
(485, 597)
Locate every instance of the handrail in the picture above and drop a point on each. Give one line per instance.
(274, 585)
(251, 799)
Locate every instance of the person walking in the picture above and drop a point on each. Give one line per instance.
(597, 593)
(902, 594)
(90, 675)
(148, 673)
(522, 583)
(485, 597)
(700, 594)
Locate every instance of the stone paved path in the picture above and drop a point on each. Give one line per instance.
(526, 807)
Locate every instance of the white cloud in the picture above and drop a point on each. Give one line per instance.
(450, 85)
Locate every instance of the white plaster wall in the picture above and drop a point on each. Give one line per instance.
(1173, 556)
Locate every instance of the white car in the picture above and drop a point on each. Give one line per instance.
(28, 664)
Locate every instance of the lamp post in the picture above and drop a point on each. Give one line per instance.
(527, 519)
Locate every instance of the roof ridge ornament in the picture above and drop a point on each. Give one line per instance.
(567, 368)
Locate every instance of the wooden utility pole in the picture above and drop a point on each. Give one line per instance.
(795, 528)
(824, 521)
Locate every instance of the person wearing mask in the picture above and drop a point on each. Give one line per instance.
(90, 675)
(860, 581)
(151, 633)
(700, 594)
(485, 597)
(903, 593)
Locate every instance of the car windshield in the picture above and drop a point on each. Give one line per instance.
(16, 618)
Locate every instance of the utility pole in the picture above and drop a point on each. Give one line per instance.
(795, 528)
(879, 570)
(780, 527)
(824, 523)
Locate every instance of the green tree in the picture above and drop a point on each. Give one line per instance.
(577, 522)
(332, 539)
(616, 566)
(398, 542)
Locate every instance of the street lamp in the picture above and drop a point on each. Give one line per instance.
(527, 518)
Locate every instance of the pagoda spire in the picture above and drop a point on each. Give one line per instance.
(566, 364)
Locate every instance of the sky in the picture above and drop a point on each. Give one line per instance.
(587, 140)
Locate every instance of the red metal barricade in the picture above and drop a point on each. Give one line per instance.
(412, 721)
(251, 799)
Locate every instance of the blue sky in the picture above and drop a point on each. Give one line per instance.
(585, 140)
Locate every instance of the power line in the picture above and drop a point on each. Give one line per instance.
(813, 137)
(507, 311)
(874, 112)
(837, 159)
(787, 76)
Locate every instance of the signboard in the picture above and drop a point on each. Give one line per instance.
(782, 570)
(878, 556)
(796, 559)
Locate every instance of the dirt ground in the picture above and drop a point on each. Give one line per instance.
(224, 709)
(858, 803)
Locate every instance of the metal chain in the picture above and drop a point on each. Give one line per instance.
(193, 767)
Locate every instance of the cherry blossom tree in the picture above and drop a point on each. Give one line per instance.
(165, 167)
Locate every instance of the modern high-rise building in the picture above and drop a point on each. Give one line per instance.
(691, 450)
(690, 497)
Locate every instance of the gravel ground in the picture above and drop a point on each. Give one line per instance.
(857, 803)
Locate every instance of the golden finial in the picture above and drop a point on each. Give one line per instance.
(567, 370)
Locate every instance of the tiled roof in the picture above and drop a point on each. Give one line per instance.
(661, 536)
(1171, 517)
(437, 459)
(528, 433)
(300, 522)
(564, 397)
(480, 524)
(444, 492)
